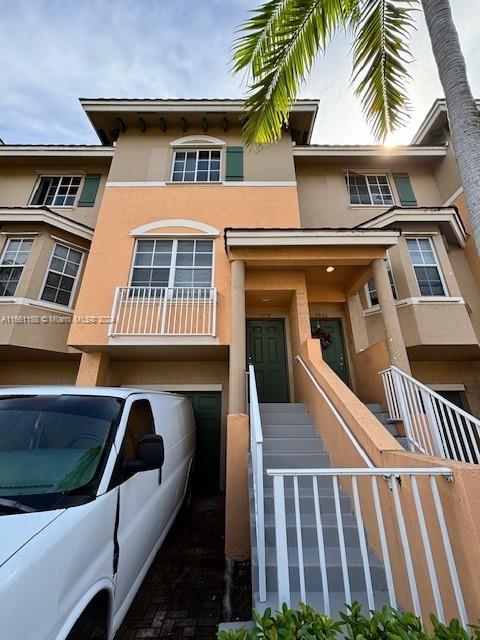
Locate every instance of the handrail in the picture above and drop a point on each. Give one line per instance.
(380, 515)
(256, 451)
(337, 415)
(433, 425)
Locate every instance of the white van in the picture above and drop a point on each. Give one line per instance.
(91, 480)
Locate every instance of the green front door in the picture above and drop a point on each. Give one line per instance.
(207, 409)
(266, 350)
(330, 332)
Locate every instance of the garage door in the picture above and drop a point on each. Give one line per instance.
(207, 409)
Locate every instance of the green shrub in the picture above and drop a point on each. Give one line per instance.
(386, 624)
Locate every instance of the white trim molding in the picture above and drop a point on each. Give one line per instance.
(65, 151)
(41, 304)
(453, 197)
(308, 237)
(150, 227)
(405, 302)
(170, 341)
(362, 151)
(198, 141)
(180, 387)
(244, 183)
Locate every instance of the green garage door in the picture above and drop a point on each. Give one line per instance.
(207, 409)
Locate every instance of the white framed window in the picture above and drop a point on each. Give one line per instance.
(368, 189)
(56, 191)
(371, 287)
(62, 274)
(196, 165)
(173, 263)
(425, 265)
(12, 262)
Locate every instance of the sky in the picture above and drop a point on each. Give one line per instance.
(54, 51)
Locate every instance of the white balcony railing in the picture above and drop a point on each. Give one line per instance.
(433, 425)
(164, 311)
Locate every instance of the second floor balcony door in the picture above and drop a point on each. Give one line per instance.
(267, 352)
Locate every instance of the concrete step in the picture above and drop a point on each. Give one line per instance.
(285, 418)
(289, 431)
(327, 503)
(374, 407)
(383, 416)
(402, 440)
(323, 482)
(309, 530)
(292, 445)
(282, 407)
(311, 564)
(288, 460)
(315, 600)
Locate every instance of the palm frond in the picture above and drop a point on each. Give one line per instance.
(380, 59)
(278, 45)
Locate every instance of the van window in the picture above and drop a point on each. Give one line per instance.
(140, 423)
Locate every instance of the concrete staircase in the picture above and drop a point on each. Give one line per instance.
(291, 441)
(389, 424)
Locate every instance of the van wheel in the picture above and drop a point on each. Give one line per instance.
(88, 628)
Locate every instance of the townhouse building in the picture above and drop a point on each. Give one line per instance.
(170, 257)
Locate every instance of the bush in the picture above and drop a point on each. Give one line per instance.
(386, 624)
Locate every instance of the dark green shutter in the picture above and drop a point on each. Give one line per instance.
(234, 170)
(89, 191)
(405, 191)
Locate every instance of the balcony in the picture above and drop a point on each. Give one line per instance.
(164, 311)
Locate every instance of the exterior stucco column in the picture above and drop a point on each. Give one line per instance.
(93, 370)
(393, 332)
(357, 322)
(238, 347)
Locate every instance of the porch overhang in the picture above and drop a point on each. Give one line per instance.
(301, 247)
(44, 215)
(447, 218)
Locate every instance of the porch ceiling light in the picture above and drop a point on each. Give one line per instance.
(330, 269)
(266, 299)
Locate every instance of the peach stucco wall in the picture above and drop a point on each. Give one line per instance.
(126, 208)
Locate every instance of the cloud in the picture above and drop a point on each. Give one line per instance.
(54, 51)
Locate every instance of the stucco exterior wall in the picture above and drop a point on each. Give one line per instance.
(125, 208)
(324, 200)
(18, 179)
(148, 156)
(37, 372)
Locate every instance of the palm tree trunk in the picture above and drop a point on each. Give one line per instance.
(463, 115)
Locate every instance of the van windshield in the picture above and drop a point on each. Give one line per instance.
(51, 444)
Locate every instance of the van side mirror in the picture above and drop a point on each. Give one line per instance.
(150, 455)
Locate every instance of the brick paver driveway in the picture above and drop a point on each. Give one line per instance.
(181, 596)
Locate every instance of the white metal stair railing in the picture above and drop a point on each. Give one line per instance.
(386, 514)
(256, 452)
(164, 311)
(433, 425)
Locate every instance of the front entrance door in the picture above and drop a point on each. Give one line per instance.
(330, 332)
(267, 351)
(207, 410)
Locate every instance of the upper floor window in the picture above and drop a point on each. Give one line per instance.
(196, 165)
(173, 263)
(11, 265)
(371, 287)
(368, 189)
(56, 191)
(62, 274)
(425, 265)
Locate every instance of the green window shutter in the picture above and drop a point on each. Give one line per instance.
(234, 170)
(405, 191)
(89, 191)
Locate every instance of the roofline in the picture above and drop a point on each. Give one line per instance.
(369, 151)
(46, 216)
(153, 104)
(436, 215)
(49, 150)
(439, 106)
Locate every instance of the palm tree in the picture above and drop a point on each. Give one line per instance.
(279, 43)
